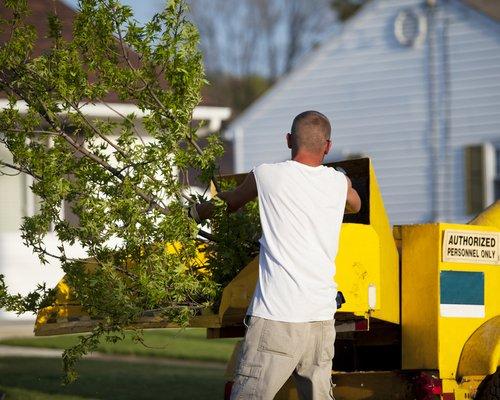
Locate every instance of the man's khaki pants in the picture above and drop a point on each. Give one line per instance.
(273, 350)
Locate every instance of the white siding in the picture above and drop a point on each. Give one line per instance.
(12, 196)
(376, 93)
(22, 268)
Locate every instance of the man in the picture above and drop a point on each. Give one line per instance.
(290, 325)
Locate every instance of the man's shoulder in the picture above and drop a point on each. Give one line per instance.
(292, 165)
(271, 166)
(274, 164)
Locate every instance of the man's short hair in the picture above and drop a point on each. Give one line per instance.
(310, 130)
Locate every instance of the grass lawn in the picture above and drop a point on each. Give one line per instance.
(188, 344)
(40, 379)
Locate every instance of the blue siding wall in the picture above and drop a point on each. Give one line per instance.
(376, 93)
(474, 47)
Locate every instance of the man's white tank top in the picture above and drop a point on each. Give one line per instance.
(301, 210)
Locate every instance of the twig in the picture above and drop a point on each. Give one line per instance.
(124, 271)
(125, 118)
(19, 169)
(91, 126)
(167, 112)
(48, 253)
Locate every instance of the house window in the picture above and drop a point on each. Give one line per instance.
(482, 176)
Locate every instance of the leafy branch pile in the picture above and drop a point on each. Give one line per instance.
(127, 191)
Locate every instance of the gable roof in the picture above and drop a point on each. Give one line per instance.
(488, 7)
(40, 10)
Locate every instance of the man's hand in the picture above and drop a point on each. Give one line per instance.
(353, 201)
(235, 199)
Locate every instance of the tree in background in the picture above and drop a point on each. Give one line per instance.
(265, 37)
(237, 92)
(249, 44)
(129, 194)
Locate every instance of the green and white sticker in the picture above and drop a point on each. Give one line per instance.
(462, 294)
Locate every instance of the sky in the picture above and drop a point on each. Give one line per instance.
(143, 9)
(228, 55)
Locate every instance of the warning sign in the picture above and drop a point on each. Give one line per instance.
(473, 247)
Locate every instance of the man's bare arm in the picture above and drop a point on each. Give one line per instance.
(353, 201)
(235, 199)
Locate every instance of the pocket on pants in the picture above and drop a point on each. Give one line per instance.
(277, 338)
(327, 341)
(245, 381)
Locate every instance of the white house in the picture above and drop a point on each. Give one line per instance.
(413, 84)
(18, 264)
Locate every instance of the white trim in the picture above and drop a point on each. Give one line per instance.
(239, 150)
(215, 115)
(462, 310)
(29, 207)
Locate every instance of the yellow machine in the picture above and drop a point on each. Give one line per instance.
(451, 302)
(421, 318)
(422, 312)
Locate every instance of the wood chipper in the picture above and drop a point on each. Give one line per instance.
(421, 317)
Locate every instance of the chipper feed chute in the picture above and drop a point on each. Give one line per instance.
(367, 264)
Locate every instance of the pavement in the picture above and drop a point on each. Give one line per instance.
(18, 351)
(14, 329)
(17, 329)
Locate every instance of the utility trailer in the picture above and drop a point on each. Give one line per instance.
(421, 318)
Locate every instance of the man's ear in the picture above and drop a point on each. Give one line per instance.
(328, 147)
(289, 140)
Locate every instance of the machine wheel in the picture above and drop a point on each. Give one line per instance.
(489, 389)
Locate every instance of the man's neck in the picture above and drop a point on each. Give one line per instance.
(308, 159)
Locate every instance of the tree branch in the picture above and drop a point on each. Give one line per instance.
(98, 160)
(44, 251)
(116, 173)
(97, 132)
(167, 111)
(125, 118)
(87, 122)
(20, 169)
(124, 271)
(43, 111)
